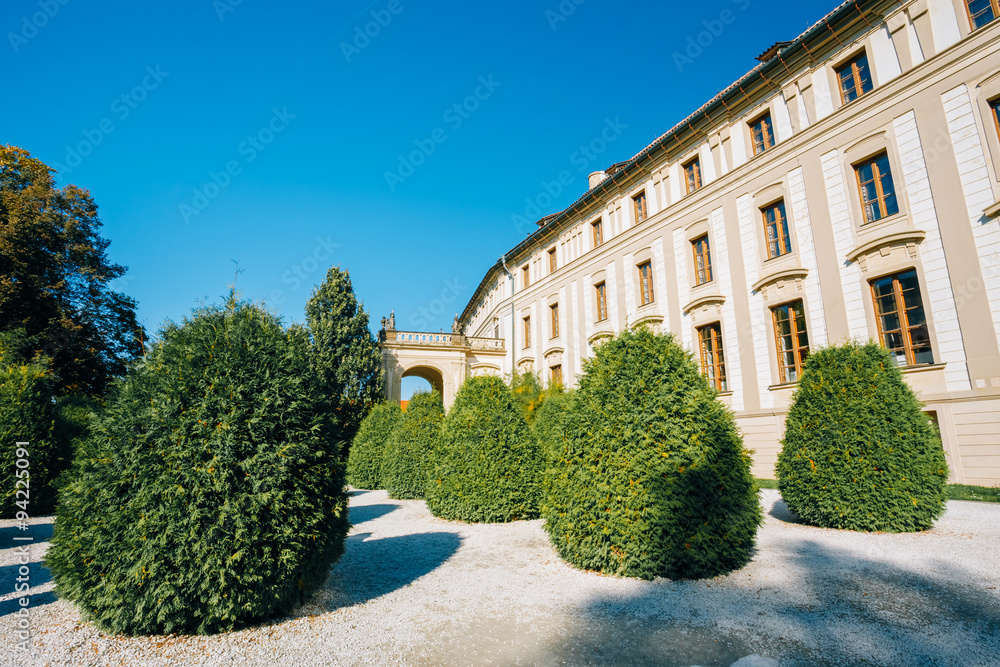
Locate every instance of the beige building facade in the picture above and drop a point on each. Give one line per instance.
(846, 188)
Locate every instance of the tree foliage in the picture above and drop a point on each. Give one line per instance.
(649, 476)
(858, 452)
(208, 498)
(346, 356)
(487, 465)
(364, 464)
(55, 279)
(406, 467)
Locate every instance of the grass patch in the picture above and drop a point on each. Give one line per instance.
(983, 494)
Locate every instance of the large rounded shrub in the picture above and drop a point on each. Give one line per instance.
(208, 497)
(364, 463)
(549, 425)
(408, 458)
(858, 453)
(649, 477)
(487, 465)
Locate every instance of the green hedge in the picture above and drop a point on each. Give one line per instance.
(487, 464)
(406, 466)
(858, 452)
(208, 498)
(364, 463)
(550, 422)
(651, 477)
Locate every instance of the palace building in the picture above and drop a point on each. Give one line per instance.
(845, 188)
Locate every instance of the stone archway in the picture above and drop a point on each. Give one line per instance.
(432, 375)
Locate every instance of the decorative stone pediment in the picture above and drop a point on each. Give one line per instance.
(887, 251)
(600, 337)
(781, 284)
(553, 355)
(652, 321)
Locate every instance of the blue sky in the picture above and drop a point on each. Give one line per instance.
(263, 132)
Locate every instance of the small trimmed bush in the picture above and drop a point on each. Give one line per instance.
(487, 464)
(650, 478)
(208, 498)
(364, 463)
(408, 459)
(858, 452)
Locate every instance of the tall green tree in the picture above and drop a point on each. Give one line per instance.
(55, 278)
(346, 356)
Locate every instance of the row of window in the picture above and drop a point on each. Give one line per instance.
(899, 313)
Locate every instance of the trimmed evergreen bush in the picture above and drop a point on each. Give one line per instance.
(207, 499)
(406, 466)
(549, 426)
(858, 452)
(650, 477)
(487, 465)
(364, 463)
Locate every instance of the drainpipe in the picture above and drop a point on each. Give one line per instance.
(513, 326)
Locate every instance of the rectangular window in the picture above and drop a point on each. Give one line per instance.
(902, 323)
(639, 206)
(790, 339)
(878, 197)
(527, 332)
(982, 12)
(702, 260)
(645, 283)
(555, 374)
(762, 131)
(855, 78)
(995, 108)
(712, 362)
(601, 292)
(525, 277)
(776, 230)
(552, 261)
(598, 228)
(692, 175)
(554, 319)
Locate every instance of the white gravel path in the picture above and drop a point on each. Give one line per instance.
(415, 590)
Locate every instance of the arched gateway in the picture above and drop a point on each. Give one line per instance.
(443, 359)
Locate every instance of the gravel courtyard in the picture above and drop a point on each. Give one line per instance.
(415, 590)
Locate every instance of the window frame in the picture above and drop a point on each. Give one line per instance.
(554, 320)
(857, 83)
(994, 6)
(601, 295)
(783, 235)
(555, 374)
(905, 328)
(798, 358)
(598, 227)
(526, 331)
(695, 164)
(646, 293)
(639, 206)
(706, 257)
(525, 276)
(553, 263)
(880, 196)
(718, 376)
(767, 144)
(994, 105)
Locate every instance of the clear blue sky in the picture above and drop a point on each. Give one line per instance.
(184, 85)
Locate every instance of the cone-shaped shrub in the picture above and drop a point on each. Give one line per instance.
(651, 478)
(364, 463)
(406, 466)
(207, 498)
(858, 453)
(487, 464)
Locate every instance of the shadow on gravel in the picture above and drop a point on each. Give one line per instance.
(371, 568)
(363, 513)
(40, 532)
(38, 575)
(781, 512)
(11, 606)
(845, 611)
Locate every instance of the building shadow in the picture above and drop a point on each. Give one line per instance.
(845, 610)
(38, 575)
(364, 513)
(39, 532)
(371, 568)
